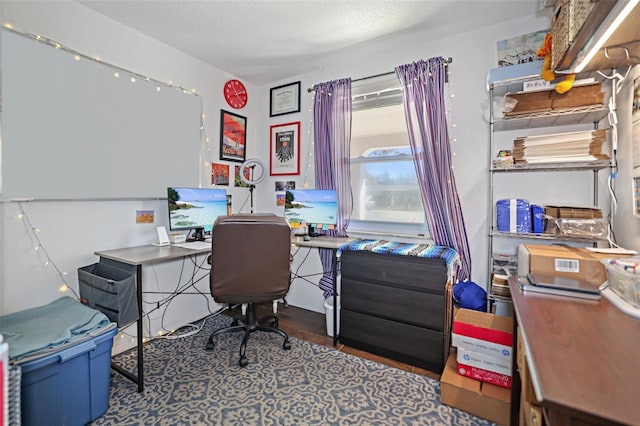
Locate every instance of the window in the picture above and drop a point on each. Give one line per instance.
(386, 196)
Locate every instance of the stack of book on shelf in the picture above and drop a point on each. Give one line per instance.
(580, 146)
(559, 286)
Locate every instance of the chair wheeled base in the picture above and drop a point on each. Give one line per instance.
(249, 324)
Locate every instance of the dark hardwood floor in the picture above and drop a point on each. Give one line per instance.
(310, 326)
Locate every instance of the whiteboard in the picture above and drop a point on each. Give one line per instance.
(72, 130)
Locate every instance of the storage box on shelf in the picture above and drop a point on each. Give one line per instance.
(562, 261)
(623, 276)
(550, 100)
(583, 115)
(568, 18)
(504, 265)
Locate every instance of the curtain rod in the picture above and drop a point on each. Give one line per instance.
(446, 77)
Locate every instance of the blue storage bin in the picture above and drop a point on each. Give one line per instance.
(68, 387)
(537, 220)
(513, 215)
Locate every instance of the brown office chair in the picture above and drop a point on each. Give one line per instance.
(250, 264)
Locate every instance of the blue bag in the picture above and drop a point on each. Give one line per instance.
(470, 295)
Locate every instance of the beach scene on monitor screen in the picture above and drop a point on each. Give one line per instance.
(311, 206)
(197, 208)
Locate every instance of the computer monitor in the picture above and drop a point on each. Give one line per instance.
(195, 209)
(315, 208)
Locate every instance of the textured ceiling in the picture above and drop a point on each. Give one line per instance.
(262, 41)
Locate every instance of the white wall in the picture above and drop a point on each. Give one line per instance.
(72, 231)
(473, 53)
(626, 225)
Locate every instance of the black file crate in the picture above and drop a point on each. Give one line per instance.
(110, 290)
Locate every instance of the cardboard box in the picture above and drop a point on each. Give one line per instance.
(473, 396)
(548, 100)
(566, 212)
(500, 365)
(562, 261)
(483, 332)
(483, 375)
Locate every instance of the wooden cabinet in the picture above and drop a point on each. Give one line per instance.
(530, 409)
(575, 362)
(396, 306)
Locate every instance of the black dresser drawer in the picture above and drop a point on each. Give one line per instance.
(407, 306)
(409, 272)
(407, 343)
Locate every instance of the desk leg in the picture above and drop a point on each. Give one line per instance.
(140, 354)
(335, 297)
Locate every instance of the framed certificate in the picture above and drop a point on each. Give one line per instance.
(285, 99)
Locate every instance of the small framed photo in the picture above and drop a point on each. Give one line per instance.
(239, 182)
(219, 174)
(233, 135)
(285, 99)
(284, 158)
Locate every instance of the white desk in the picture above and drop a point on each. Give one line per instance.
(132, 259)
(332, 243)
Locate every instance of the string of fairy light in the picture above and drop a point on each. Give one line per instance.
(118, 72)
(310, 142)
(450, 96)
(39, 249)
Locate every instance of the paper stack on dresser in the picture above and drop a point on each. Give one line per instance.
(483, 343)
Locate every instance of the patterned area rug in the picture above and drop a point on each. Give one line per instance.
(307, 385)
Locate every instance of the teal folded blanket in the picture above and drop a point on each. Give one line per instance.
(46, 327)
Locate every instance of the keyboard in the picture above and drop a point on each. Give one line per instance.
(195, 245)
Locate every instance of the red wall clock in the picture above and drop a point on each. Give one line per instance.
(235, 93)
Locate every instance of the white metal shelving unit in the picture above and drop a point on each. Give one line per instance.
(500, 82)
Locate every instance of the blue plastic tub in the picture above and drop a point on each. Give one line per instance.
(513, 215)
(537, 219)
(69, 387)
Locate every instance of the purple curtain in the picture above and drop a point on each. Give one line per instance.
(423, 84)
(332, 135)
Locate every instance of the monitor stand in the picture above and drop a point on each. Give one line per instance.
(198, 235)
(312, 232)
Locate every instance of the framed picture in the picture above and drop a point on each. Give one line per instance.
(233, 135)
(520, 49)
(219, 174)
(284, 158)
(285, 99)
(284, 186)
(239, 182)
